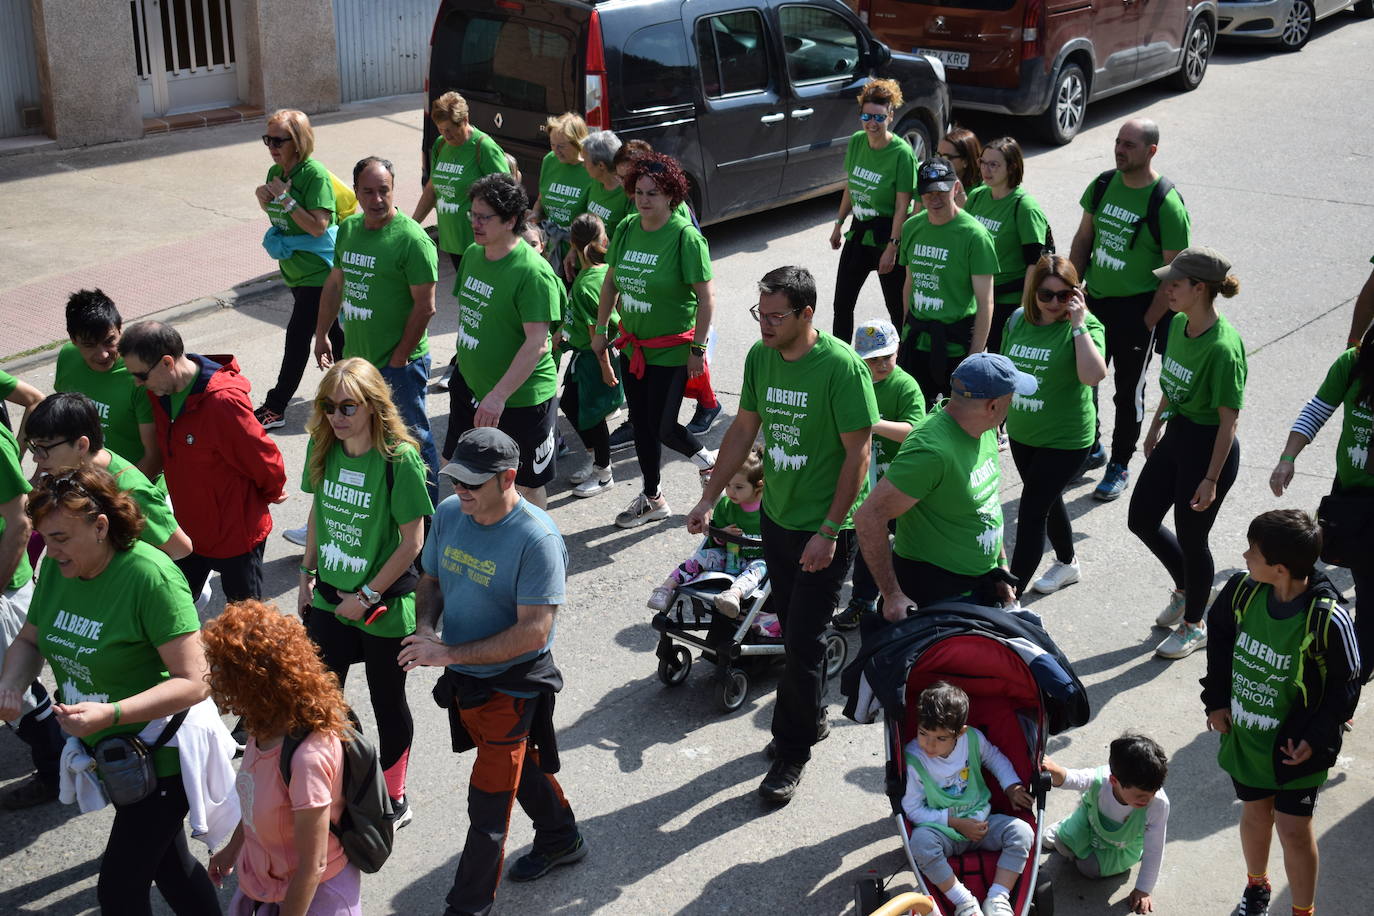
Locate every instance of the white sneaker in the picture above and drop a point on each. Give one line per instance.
(998, 906)
(594, 483)
(1057, 576)
(296, 535)
(1182, 642)
(727, 602)
(658, 601)
(642, 510)
(1172, 615)
(968, 908)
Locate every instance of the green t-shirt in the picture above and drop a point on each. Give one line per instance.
(654, 273)
(379, 268)
(1352, 453)
(122, 404)
(358, 525)
(1061, 413)
(562, 189)
(496, 299)
(12, 486)
(1200, 374)
(726, 514)
(957, 522)
(312, 189)
(1013, 221)
(943, 261)
(7, 384)
(1265, 666)
(804, 407)
(452, 171)
(1116, 267)
(875, 177)
(101, 635)
(899, 398)
(611, 206)
(158, 523)
(584, 300)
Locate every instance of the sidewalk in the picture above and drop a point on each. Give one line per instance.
(171, 219)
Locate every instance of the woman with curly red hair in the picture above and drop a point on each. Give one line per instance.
(660, 273)
(265, 668)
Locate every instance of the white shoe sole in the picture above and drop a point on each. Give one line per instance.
(1041, 587)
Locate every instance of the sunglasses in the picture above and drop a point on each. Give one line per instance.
(143, 376)
(1049, 295)
(654, 168)
(865, 116)
(61, 486)
(41, 452)
(772, 318)
(328, 407)
(275, 142)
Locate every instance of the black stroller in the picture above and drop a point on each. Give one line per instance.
(1021, 688)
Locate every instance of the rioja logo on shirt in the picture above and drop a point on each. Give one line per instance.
(629, 303)
(353, 312)
(783, 461)
(336, 558)
(920, 302)
(448, 206)
(1105, 260)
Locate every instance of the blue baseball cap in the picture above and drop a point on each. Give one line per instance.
(876, 338)
(990, 375)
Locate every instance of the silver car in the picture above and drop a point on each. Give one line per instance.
(1288, 22)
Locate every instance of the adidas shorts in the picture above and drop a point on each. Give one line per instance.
(1295, 802)
(533, 428)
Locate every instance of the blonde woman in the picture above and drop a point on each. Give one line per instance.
(564, 184)
(357, 582)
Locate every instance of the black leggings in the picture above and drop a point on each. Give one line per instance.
(1045, 472)
(1129, 345)
(147, 844)
(300, 335)
(1170, 477)
(857, 261)
(654, 401)
(341, 645)
(597, 437)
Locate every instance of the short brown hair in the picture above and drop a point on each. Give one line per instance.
(942, 705)
(88, 493)
(450, 107)
(881, 92)
(1050, 265)
(631, 150)
(1011, 152)
(966, 142)
(570, 126)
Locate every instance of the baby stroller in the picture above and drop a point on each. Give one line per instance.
(1021, 688)
(692, 621)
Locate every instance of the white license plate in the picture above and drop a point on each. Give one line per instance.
(955, 60)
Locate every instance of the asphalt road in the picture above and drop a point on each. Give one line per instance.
(1272, 159)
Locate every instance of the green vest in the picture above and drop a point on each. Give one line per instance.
(975, 798)
(1089, 833)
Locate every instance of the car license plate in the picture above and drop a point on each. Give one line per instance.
(955, 60)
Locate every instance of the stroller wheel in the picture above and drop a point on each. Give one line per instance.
(836, 653)
(1042, 901)
(734, 688)
(673, 670)
(868, 895)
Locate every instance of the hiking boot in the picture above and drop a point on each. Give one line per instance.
(1172, 615)
(536, 864)
(1183, 642)
(1057, 576)
(28, 794)
(597, 480)
(269, 418)
(643, 509)
(849, 618)
(781, 783)
(1096, 458)
(1255, 900)
(296, 535)
(770, 750)
(702, 418)
(728, 601)
(661, 598)
(400, 812)
(1114, 483)
(623, 436)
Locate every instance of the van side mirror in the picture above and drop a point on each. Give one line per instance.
(879, 55)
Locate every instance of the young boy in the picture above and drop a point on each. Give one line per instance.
(1282, 677)
(1122, 818)
(901, 406)
(948, 801)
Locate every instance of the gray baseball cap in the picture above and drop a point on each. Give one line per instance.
(1196, 263)
(480, 455)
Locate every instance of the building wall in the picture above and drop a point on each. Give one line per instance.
(290, 52)
(85, 54)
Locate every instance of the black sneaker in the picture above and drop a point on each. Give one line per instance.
(781, 783)
(702, 418)
(623, 437)
(30, 793)
(536, 864)
(1096, 459)
(849, 618)
(269, 418)
(1255, 900)
(400, 812)
(822, 732)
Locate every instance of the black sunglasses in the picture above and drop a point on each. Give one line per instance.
(327, 407)
(275, 142)
(1049, 295)
(143, 376)
(61, 486)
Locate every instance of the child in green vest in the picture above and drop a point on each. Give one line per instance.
(948, 802)
(1282, 677)
(1121, 819)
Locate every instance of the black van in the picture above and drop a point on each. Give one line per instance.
(755, 99)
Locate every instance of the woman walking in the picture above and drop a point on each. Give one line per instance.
(961, 147)
(1192, 466)
(563, 185)
(1055, 338)
(357, 579)
(660, 273)
(880, 175)
(606, 199)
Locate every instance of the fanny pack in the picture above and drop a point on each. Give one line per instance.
(402, 586)
(125, 763)
(1347, 523)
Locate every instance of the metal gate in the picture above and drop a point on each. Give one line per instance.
(19, 90)
(185, 55)
(383, 47)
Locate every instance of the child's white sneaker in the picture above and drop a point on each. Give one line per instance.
(727, 602)
(968, 908)
(998, 906)
(660, 598)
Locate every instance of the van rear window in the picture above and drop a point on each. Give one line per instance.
(992, 5)
(524, 65)
(655, 71)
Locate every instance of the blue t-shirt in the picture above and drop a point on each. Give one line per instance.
(484, 571)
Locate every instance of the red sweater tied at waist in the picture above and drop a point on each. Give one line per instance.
(637, 362)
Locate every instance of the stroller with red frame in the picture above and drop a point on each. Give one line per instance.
(1021, 689)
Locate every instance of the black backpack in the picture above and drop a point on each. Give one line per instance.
(1156, 203)
(365, 827)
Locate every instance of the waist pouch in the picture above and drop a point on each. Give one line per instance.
(402, 586)
(880, 226)
(125, 763)
(1347, 524)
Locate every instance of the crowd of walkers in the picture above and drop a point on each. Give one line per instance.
(879, 457)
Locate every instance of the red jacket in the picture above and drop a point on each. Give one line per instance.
(222, 470)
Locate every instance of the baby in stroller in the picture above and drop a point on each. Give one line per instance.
(738, 513)
(948, 801)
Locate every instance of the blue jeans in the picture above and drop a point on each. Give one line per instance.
(408, 385)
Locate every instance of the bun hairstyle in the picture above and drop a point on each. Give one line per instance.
(1228, 287)
(752, 468)
(588, 235)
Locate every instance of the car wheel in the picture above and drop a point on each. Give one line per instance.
(1297, 25)
(1197, 51)
(914, 131)
(1068, 102)
(1364, 9)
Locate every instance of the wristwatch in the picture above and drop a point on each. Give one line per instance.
(368, 595)
(697, 349)
(1078, 332)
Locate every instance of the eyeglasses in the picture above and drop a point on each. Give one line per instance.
(480, 218)
(1049, 295)
(41, 452)
(275, 142)
(143, 376)
(989, 164)
(772, 318)
(865, 116)
(949, 155)
(347, 408)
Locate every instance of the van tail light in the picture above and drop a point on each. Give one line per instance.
(1032, 30)
(862, 8)
(598, 102)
